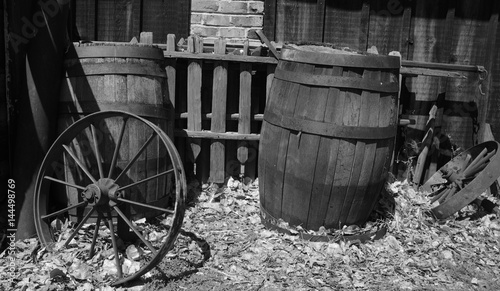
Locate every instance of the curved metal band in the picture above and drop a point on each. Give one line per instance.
(328, 129)
(341, 60)
(272, 222)
(80, 70)
(115, 51)
(336, 81)
(87, 107)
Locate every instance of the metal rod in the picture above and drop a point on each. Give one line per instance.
(79, 163)
(145, 205)
(84, 203)
(64, 183)
(75, 231)
(145, 180)
(150, 139)
(117, 148)
(148, 244)
(97, 153)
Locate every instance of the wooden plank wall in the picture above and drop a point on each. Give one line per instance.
(121, 20)
(445, 31)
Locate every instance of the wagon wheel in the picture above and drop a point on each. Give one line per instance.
(463, 179)
(102, 188)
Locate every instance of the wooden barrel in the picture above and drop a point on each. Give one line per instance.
(327, 136)
(123, 77)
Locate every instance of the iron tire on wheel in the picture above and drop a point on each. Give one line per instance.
(109, 187)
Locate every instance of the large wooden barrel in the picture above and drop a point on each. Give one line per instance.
(327, 136)
(123, 77)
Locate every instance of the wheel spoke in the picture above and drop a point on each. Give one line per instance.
(132, 161)
(64, 183)
(148, 244)
(78, 227)
(115, 246)
(117, 148)
(145, 180)
(94, 238)
(84, 203)
(145, 205)
(97, 153)
(79, 163)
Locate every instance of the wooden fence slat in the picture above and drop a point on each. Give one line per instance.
(245, 106)
(218, 122)
(194, 97)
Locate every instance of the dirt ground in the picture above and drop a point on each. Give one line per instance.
(224, 246)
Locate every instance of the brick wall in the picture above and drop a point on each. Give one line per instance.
(227, 18)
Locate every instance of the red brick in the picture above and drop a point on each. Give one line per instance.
(232, 32)
(196, 18)
(256, 7)
(233, 7)
(247, 21)
(204, 6)
(217, 20)
(204, 30)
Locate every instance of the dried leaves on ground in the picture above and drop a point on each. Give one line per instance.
(224, 246)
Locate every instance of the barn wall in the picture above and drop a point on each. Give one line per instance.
(121, 20)
(461, 32)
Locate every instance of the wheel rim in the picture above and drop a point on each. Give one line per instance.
(464, 178)
(111, 190)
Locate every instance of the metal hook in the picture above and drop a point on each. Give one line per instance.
(483, 74)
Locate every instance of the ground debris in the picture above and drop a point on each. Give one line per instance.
(224, 246)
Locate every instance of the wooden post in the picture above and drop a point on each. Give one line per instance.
(218, 123)
(194, 97)
(244, 109)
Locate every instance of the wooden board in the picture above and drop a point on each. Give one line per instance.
(84, 19)
(299, 20)
(347, 23)
(218, 123)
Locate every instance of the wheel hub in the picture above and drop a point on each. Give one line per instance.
(103, 192)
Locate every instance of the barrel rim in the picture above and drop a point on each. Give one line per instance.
(115, 51)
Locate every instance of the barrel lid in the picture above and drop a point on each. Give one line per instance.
(330, 55)
(114, 50)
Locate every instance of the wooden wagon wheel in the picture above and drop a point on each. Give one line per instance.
(464, 178)
(86, 162)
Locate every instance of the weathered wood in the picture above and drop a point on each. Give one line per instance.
(245, 105)
(218, 121)
(146, 37)
(299, 20)
(85, 20)
(81, 95)
(317, 180)
(215, 57)
(414, 72)
(170, 69)
(194, 97)
(347, 23)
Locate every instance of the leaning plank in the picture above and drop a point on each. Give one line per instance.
(218, 122)
(170, 68)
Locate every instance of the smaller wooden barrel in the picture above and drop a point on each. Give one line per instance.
(327, 136)
(123, 77)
